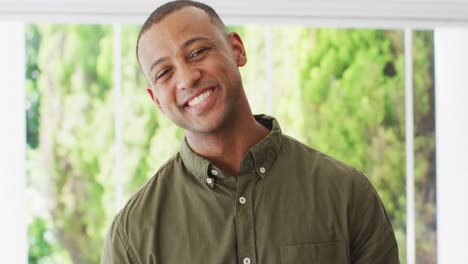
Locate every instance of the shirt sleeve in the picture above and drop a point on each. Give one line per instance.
(116, 249)
(372, 239)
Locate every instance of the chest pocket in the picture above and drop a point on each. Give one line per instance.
(327, 253)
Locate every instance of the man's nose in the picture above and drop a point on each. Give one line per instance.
(187, 76)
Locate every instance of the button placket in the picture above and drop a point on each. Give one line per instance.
(245, 220)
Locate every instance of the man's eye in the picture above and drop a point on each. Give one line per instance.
(198, 52)
(161, 75)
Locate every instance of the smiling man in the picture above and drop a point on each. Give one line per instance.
(238, 191)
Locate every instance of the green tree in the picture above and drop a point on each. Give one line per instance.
(347, 100)
(75, 134)
(39, 247)
(33, 40)
(149, 136)
(353, 105)
(424, 145)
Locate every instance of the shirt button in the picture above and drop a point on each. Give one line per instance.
(214, 172)
(209, 181)
(242, 200)
(246, 261)
(262, 169)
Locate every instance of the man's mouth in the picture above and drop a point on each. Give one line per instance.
(200, 98)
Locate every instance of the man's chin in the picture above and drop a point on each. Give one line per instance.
(205, 127)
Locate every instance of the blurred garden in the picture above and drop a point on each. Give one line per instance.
(340, 91)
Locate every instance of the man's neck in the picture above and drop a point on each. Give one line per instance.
(227, 148)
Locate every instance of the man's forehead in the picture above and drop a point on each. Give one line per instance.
(180, 21)
(184, 17)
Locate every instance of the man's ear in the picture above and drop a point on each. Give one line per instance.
(238, 48)
(154, 99)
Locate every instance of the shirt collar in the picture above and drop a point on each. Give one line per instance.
(260, 157)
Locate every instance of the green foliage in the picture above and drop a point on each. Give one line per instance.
(75, 134)
(33, 39)
(39, 247)
(424, 145)
(254, 71)
(350, 106)
(43, 247)
(345, 96)
(149, 137)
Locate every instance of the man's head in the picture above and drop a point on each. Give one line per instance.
(170, 7)
(192, 65)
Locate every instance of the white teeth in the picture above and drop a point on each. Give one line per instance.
(199, 98)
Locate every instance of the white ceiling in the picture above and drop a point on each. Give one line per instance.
(351, 13)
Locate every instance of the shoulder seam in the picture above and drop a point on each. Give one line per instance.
(154, 177)
(363, 184)
(118, 218)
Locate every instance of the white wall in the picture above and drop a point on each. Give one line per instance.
(451, 60)
(13, 236)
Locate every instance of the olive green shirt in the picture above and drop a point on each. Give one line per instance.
(291, 204)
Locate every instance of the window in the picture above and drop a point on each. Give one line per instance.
(90, 127)
(342, 91)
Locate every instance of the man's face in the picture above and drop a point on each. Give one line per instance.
(192, 66)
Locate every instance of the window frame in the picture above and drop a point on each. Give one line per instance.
(406, 15)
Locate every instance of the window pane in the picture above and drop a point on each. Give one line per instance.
(254, 72)
(70, 161)
(342, 92)
(339, 91)
(424, 147)
(149, 138)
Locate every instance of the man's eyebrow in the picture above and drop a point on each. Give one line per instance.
(183, 46)
(191, 41)
(157, 62)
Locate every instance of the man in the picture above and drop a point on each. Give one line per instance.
(239, 191)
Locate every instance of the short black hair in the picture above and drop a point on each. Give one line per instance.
(170, 7)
